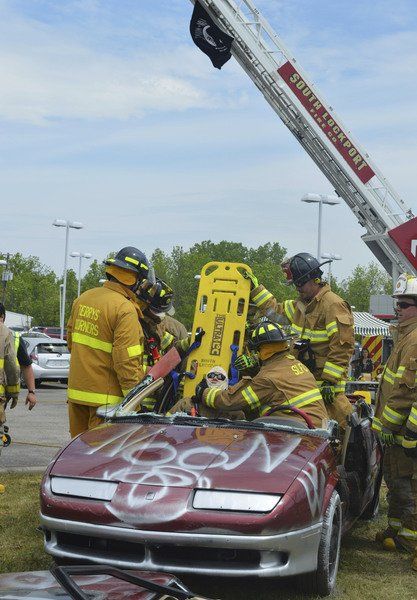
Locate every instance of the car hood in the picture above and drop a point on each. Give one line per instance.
(188, 457)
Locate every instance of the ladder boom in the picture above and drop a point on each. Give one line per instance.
(355, 178)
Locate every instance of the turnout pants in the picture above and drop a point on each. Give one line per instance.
(400, 474)
(339, 410)
(82, 417)
(3, 404)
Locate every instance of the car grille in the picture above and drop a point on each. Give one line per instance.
(162, 554)
(128, 550)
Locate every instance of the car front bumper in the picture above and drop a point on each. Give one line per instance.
(225, 555)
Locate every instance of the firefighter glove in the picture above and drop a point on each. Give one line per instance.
(327, 392)
(387, 437)
(410, 446)
(246, 361)
(199, 390)
(13, 401)
(253, 280)
(199, 335)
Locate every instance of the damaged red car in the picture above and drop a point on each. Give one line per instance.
(184, 494)
(269, 497)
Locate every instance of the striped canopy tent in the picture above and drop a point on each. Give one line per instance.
(367, 324)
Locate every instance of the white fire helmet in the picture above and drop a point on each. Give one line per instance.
(217, 378)
(406, 286)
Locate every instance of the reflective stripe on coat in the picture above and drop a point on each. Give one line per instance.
(281, 381)
(106, 342)
(326, 321)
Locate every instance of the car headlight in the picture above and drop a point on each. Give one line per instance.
(83, 488)
(237, 501)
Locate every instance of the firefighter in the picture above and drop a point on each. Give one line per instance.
(322, 321)
(396, 423)
(9, 373)
(175, 327)
(282, 381)
(105, 339)
(160, 334)
(171, 331)
(25, 363)
(161, 330)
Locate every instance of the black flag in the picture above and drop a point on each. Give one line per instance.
(209, 38)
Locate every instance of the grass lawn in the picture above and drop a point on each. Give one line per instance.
(366, 572)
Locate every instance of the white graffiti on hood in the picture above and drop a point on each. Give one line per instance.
(313, 479)
(154, 462)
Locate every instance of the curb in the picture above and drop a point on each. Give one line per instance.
(8, 470)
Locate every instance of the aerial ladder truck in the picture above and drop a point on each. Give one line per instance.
(391, 228)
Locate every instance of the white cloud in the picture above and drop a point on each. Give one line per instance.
(147, 144)
(38, 88)
(54, 73)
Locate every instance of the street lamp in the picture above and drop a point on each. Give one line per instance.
(80, 255)
(5, 276)
(331, 258)
(3, 263)
(61, 287)
(320, 199)
(68, 225)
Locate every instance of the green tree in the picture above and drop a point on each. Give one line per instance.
(363, 283)
(91, 279)
(180, 268)
(71, 292)
(34, 290)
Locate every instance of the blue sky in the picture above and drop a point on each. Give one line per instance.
(111, 116)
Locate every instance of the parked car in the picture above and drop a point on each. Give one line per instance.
(54, 332)
(34, 334)
(50, 358)
(186, 494)
(18, 328)
(64, 583)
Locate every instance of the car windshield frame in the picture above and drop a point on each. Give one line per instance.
(64, 575)
(183, 419)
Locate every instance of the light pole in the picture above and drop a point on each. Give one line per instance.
(3, 263)
(320, 199)
(68, 225)
(61, 287)
(5, 276)
(331, 258)
(80, 255)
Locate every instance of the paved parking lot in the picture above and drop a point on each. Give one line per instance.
(36, 435)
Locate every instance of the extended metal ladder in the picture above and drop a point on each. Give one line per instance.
(260, 52)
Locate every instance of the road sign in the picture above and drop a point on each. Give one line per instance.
(405, 236)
